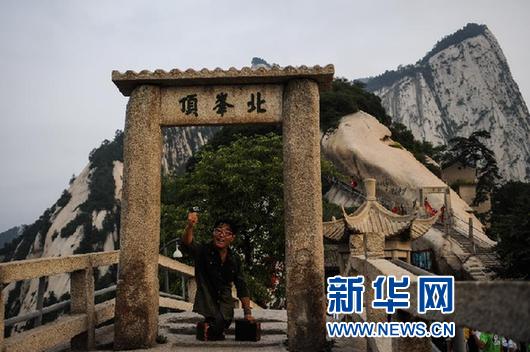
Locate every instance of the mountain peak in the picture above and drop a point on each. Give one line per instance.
(470, 30)
(462, 85)
(258, 62)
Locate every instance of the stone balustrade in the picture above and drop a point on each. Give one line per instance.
(77, 328)
(498, 307)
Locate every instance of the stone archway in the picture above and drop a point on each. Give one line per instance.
(287, 96)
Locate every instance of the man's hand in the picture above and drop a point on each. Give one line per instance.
(249, 317)
(187, 236)
(193, 218)
(247, 311)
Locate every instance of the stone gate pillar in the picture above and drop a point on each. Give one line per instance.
(304, 249)
(136, 315)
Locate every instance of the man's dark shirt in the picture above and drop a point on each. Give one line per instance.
(214, 280)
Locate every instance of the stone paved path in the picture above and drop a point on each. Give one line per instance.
(179, 329)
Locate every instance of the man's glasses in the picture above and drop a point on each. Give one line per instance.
(225, 233)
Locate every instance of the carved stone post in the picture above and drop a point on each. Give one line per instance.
(374, 249)
(137, 292)
(357, 244)
(459, 342)
(372, 315)
(82, 302)
(304, 251)
(448, 215)
(191, 290)
(40, 299)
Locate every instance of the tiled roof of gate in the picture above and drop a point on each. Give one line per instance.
(128, 80)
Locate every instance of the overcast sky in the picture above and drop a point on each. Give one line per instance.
(57, 101)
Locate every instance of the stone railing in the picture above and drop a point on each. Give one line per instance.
(187, 274)
(498, 307)
(78, 327)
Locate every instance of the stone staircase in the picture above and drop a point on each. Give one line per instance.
(481, 261)
(179, 329)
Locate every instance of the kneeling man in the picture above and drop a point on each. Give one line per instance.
(216, 267)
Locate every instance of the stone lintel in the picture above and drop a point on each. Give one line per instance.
(242, 109)
(129, 80)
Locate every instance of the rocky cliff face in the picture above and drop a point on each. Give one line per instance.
(181, 143)
(463, 85)
(86, 217)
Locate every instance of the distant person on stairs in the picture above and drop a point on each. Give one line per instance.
(216, 267)
(353, 183)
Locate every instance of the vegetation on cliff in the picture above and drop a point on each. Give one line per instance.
(472, 152)
(510, 224)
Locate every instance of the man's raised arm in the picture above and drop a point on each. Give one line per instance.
(187, 236)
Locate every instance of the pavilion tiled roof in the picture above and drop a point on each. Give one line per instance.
(334, 230)
(372, 217)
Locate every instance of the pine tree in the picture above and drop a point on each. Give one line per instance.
(472, 152)
(510, 224)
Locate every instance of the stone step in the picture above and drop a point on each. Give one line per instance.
(477, 272)
(262, 315)
(265, 341)
(476, 276)
(194, 320)
(479, 276)
(270, 328)
(473, 272)
(474, 266)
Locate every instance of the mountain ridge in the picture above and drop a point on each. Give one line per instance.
(462, 85)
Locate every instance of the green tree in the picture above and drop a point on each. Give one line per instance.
(510, 224)
(347, 97)
(472, 152)
(240, 179)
